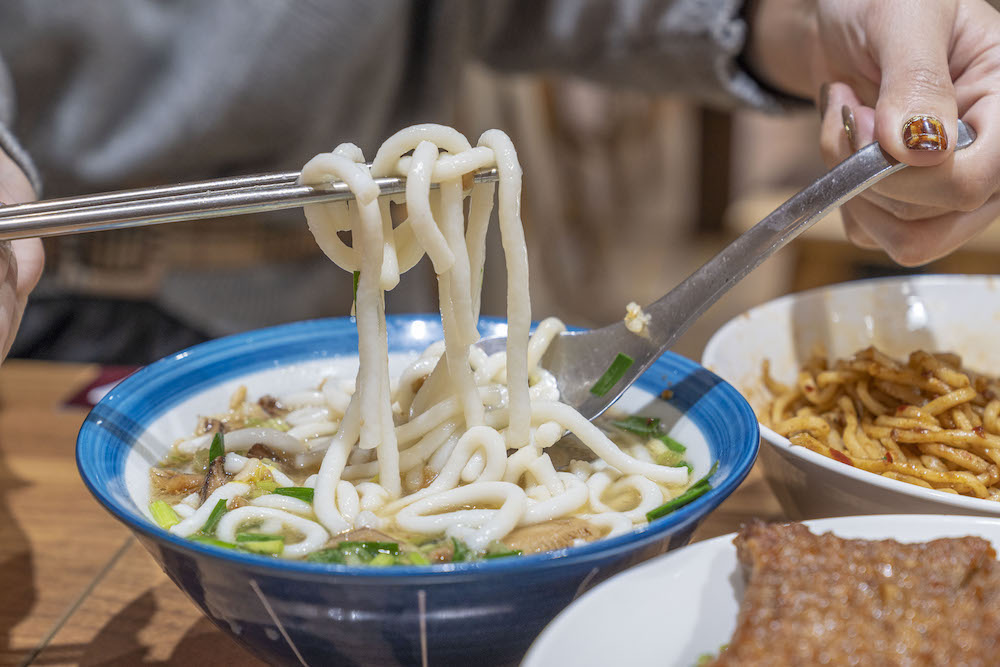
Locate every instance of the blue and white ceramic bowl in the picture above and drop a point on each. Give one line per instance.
(289, 612)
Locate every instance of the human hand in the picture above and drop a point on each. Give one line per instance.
(886, 62)
(21, 261)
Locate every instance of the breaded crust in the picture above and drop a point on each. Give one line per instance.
(823, 600)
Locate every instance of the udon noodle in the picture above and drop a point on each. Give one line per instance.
(926, 421)
(464, 454)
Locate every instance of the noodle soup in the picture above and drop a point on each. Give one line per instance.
(190, 417)
(458, 456)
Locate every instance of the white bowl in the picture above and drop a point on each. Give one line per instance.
(952, 313)
(684, 604)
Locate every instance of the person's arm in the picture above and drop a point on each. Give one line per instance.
(21, 261)
(900, 72)
(685, 47)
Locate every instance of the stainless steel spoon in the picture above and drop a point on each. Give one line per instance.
(578, 359)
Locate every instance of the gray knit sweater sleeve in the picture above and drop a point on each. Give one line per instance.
(113, 93)
(8, 142)
(689, 47)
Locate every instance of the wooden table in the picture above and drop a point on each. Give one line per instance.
(76, 588)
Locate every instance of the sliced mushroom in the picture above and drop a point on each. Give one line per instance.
(210, 425)
(214, 478)
(443, 553)
(272, 406)
(260, 451)
(549, 535)
(235, 502)
(174, 483)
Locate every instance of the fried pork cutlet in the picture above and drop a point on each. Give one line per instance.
(822, 600)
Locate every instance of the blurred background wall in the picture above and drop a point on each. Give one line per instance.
(626, 194)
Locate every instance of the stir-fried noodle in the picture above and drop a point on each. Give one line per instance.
(928, 421)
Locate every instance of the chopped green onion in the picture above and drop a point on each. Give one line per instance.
(669, 459)
(300, 492)
(326, 556)
(688, 496)
(267, 485)
(711, 471)
(611, 376)
(391, 548)
(502, 554)
(256, 537)
(213, 518)
(261, 544)
(217, 448)
(671, 444)
(163, 514)
(382, 560)
(696, 490)
(357, 553)
(459, 552)
(271, 422)
(215, 542)
(268, 548)
(648, 426)
(357, 277)
(416, 558)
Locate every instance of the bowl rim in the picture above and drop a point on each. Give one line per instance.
(783, 444)
(189, 357)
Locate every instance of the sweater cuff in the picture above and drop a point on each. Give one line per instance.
(724, 32)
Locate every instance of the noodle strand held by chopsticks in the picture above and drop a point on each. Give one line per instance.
(926, 422)
(444, 467)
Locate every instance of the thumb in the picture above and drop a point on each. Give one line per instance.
(916, 115)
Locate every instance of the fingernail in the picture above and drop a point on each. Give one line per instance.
(848, 116)
(824, 99)
(924, 133)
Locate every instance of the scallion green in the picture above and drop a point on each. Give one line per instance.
(326, 556)
(163, 514)
(258, 543)
(671, 444)
(213, 541)
(256, 537)
(459, 551)
(266, 485)
(217, 448)
(300, 492)
(382, 560)
(696, 490)
(615, 372)
(213, 518)
(647, 426)
(688, 496)
(416, 558)
(372, 547)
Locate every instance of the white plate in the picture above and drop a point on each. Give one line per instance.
(684, 604)
(952, 313)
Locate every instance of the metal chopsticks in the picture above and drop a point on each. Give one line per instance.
(174, 203)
